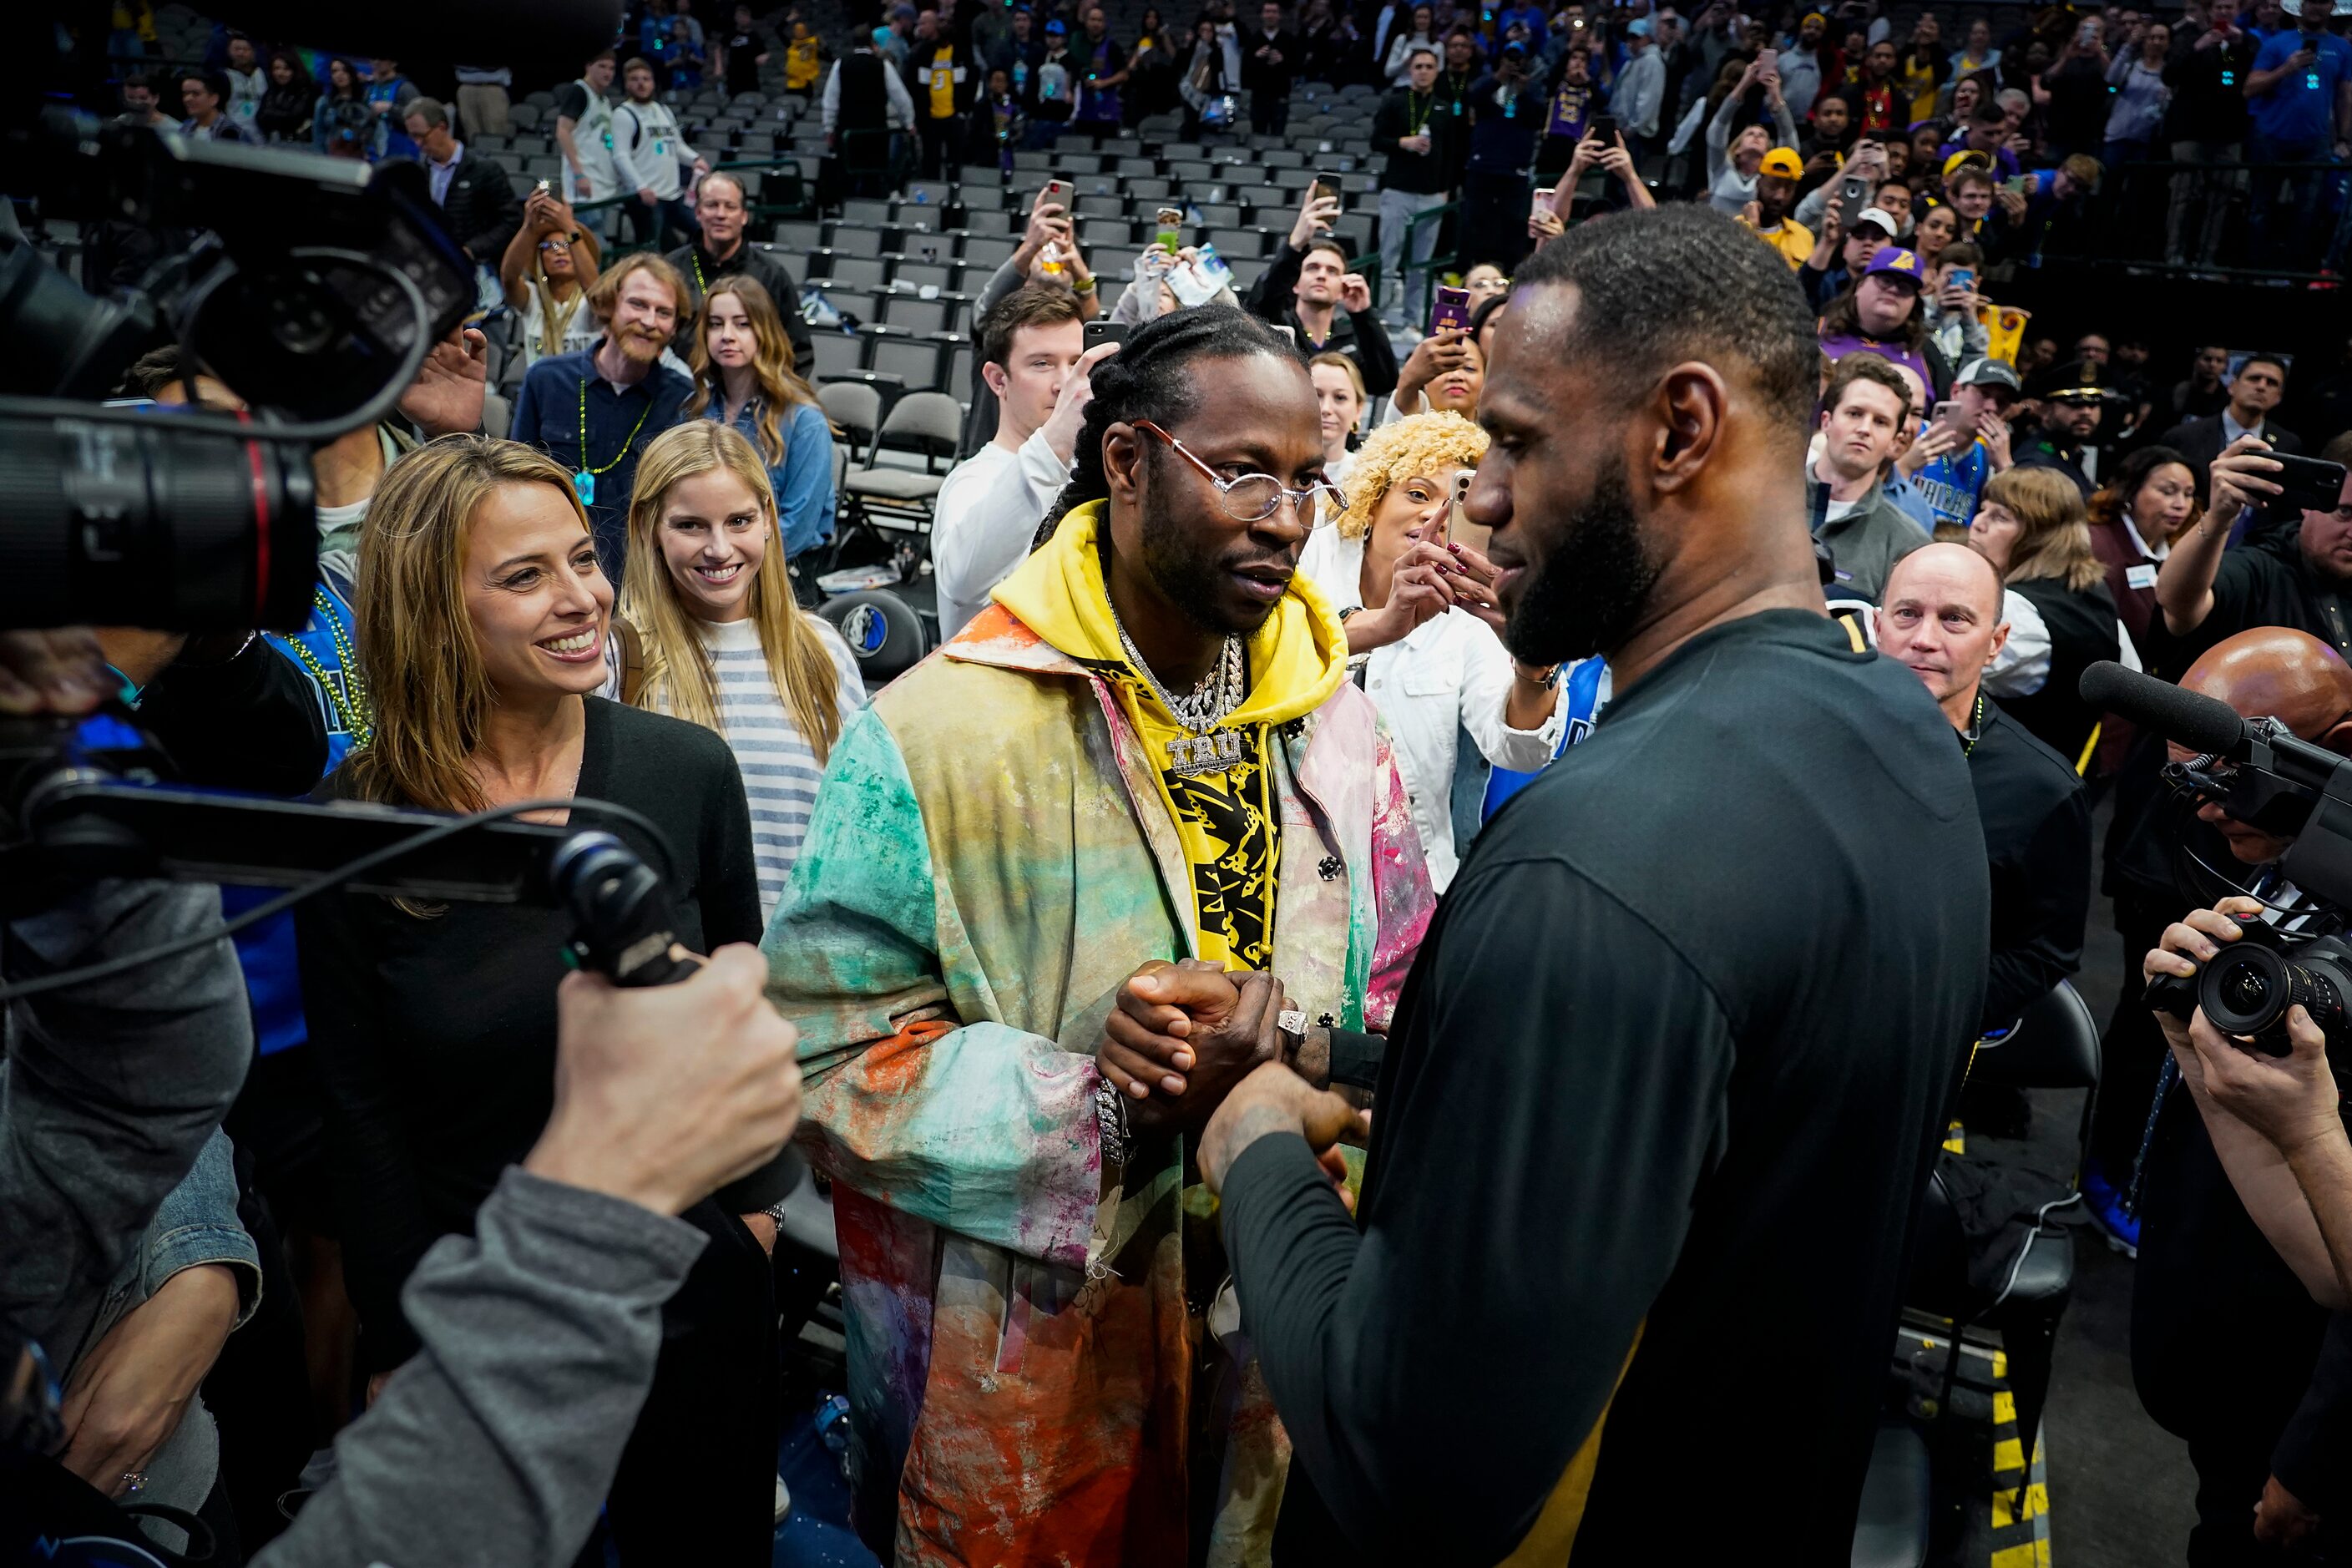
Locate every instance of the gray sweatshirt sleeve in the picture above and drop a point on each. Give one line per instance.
(495, 1444)
(110, 1090)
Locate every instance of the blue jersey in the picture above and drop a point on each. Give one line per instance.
(1953, 482)
(323, 650)
(1587, 684)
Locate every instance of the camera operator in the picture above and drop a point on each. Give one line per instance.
(2267, 1415)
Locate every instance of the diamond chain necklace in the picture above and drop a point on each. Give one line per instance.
(1219, 693)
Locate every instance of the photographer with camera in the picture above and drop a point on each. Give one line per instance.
(2266, 1415)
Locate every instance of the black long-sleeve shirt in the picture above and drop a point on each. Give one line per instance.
(436, 1036)
(2037, 829)
(1702, 1122)
(1273, 297)
(1404, 112)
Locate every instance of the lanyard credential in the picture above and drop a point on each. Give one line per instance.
(584, 481)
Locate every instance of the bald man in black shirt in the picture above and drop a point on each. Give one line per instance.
(1666, 1080)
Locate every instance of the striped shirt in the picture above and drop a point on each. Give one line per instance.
(779, 767)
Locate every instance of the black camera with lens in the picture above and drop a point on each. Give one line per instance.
(2247, 988)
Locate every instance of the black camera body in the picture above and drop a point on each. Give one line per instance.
(2246, 989)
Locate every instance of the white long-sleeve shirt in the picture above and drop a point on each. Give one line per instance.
(901, 112)
(1449, 674)
(986, 516)
(648, 148)
(1728, 190)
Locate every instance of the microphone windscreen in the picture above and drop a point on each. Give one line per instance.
(2196, 721)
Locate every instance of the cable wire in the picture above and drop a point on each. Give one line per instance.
(343, 873)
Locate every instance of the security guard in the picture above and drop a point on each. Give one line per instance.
(2073, 401)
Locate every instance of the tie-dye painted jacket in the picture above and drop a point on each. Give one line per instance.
(988, 858)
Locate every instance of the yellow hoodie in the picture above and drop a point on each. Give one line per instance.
(1225, 818)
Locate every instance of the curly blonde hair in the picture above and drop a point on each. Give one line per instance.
(1422, 444)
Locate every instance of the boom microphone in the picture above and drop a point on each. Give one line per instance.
(2196, 721)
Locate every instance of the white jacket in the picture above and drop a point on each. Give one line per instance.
(1450, 674)
(983, 521)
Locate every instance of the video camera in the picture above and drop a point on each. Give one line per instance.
(315, 290)
(2262, 774)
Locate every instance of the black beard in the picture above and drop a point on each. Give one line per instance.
(1186, 578)
(1594, 582)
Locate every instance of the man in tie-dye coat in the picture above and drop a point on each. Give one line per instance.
(996, 848)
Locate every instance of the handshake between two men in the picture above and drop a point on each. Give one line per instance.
(1189, 1047)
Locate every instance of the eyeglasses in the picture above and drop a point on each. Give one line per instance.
(555, 244)
(1253, 498)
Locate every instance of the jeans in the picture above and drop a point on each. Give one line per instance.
(2286, 217)
(654, 224)
(2201, 200)
(1398, 208)
(1494, 208)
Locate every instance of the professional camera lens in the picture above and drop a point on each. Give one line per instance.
(153, 524)
(2248, 990)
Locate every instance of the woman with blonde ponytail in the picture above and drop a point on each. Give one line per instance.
(716, 638)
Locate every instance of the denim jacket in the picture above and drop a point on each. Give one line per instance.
(196, 1224)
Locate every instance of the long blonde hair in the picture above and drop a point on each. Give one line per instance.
(773, 371)
(416, 643)
(678, 676)
(2054, 542)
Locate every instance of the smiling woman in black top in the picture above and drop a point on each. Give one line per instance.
(481, 627)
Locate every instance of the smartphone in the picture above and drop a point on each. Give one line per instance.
(1101, 332)
(1054, 191)
(545, 188)
(1853, 196)
(1327, 187)
(1459, 529)
(1962, 277)
(1767, 60)
(1449, 307)
(1170, 236)
(2020, 185)
(2310, 484)
(1603, 130)
(1947, 414)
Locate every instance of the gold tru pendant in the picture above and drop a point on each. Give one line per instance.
(1191, 754)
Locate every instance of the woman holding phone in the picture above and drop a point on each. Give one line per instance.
(547, 271)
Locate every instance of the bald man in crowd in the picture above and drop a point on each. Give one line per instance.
(1941, 619)
(2267, 1415)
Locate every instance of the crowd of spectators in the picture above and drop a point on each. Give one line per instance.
(1991, 504)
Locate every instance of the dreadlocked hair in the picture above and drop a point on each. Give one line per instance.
(1149, 378)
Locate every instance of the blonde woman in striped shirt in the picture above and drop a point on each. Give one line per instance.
(716, 638)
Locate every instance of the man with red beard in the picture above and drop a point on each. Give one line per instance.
(594, 411)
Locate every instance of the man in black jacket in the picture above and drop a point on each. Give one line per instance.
(719, 204)
(1941, 618)
(478, 205)
(1270, 55)
(2254, 392)
(1418, 139)
(1308, 289)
